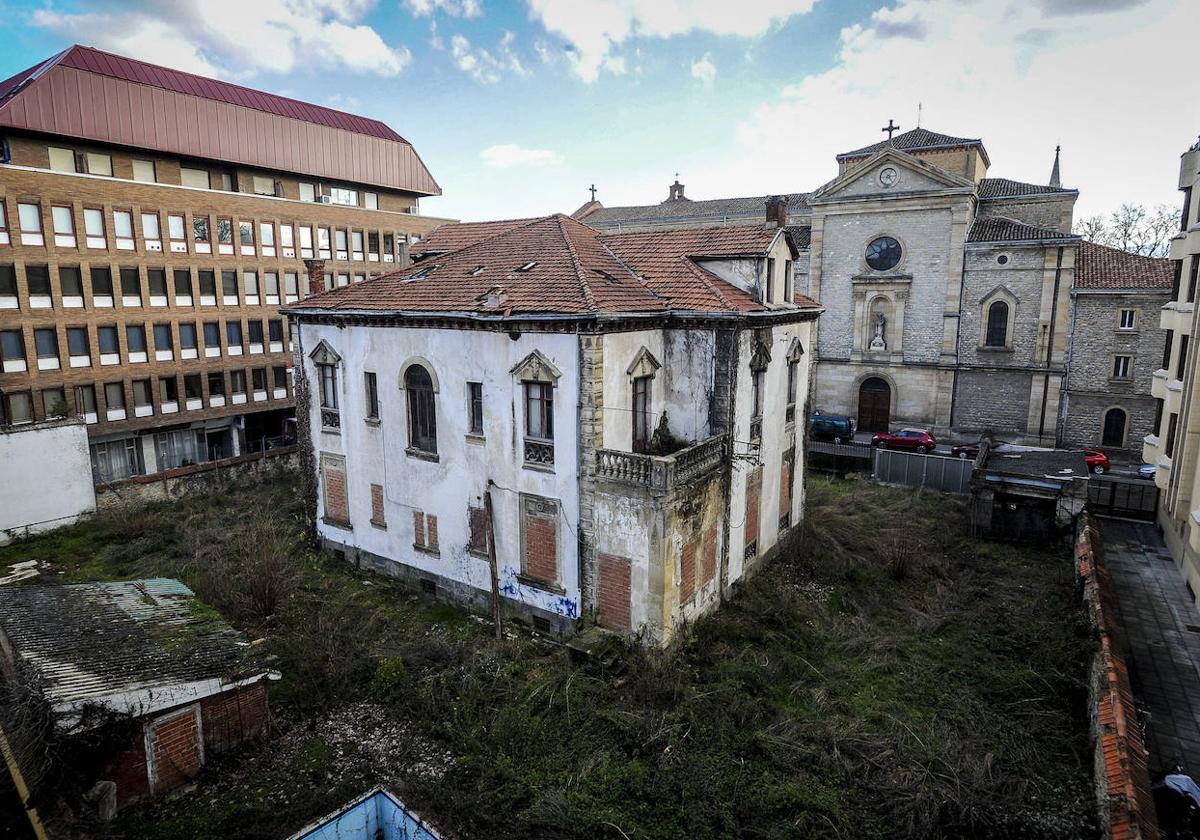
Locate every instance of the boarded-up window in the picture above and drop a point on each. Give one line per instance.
(377, 516)
(687, 573)
(477, 521)
(614, 606)
(753, 496)
(539, 538)
(333, 479)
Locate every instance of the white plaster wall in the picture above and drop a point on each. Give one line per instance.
(749, 275)
(376, 454)
(627, 526)
(777, 436)
(45, 477)
(681, 387)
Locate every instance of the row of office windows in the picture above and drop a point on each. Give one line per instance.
(161, 287)
(73, 161)
(194, 233)
(171, 341)
(162, 395)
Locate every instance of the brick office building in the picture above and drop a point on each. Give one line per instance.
(151, 224)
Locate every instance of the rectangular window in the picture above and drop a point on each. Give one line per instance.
(1122, 367)
(255, 332)
(37, 277)
(196, 178)
(641, 413)
(1172, 422)
(143, 170)
(328, 379)
(201, 235)
(85, 402)
(339, 237)
(258, 381)
(123, 230)
(164, 348)
(306, 243)
(78, 347)
(1183, 352)
(388, 246)
(12, 351)
(250, 287)
(224, 236)
(246, 237)
(769, 297)
(229, 288)
(62, 160)
(291, 286)
(156, 282)
(275, 331)
(308, 192)
(372, 246)
(168, 391)
(212, 338)
(135, 342)
(151, 232)
(323, 248)
(70, 281)
(64, 226)
(45, 344)
(19, 407)
(233, 336)
(193, 391)
(756, 392)
(30, 217)
(187, 339)
(93, 228)
(475, 407)
(226, 180)
(8, 286)
(183, 287)
(371, 200)
(1127, 319)
(110, 345)
(371, 391)
(102, 285)
(208, 287)
(216, 386)
(287, 240)
(271, 282)
(279, 374)
(175, 232)
(54, 402)
(266, 237)
(1192, 276)
(264, 185)
(3, 224)
(341, 195)
(539, 410)
(99, 164)
(142, 397)
(356, 244)
(114, 398)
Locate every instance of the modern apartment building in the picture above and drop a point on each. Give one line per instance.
(1174, 446)
(152, 222)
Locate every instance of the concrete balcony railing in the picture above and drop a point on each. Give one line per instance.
(1176, 317)
(662, 472)
(1158, 384)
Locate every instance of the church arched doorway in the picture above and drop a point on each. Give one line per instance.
(874, 405)
(1114, 428)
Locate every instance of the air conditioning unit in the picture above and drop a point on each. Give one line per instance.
(325, 199)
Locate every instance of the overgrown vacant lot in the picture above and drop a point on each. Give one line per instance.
(883, 677)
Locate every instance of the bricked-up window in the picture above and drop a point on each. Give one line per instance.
(333, 481)
(477, 539)
(1122, 367)
(1172, 422)
(641, 413)
(997, 324)
(687, 572)
(539, 539)
(475, 407)
(614, 604)
(377, 514)
(425, 532)
(422, 409)
(371, 390)
(753, 497)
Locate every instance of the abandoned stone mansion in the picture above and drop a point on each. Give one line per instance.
(957, 301)
(571, 422)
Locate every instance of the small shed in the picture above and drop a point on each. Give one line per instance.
(1026, 494)
(145, 655)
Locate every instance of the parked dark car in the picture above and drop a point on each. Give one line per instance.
(1097, 461)
(834, 427)
(914, 440)
(966, 450)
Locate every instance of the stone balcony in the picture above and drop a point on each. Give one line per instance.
(1177, 317)
(662, 472)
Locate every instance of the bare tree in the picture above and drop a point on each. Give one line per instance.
(1133, 228)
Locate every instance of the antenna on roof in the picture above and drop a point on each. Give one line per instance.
(918, 115)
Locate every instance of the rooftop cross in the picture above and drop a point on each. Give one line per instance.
(890, 128)
(592, 188)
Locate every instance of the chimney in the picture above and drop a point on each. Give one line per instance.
(316, 276)
(777, 210)
(402, 260)
(1055, 180)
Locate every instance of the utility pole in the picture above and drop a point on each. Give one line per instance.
(491, 545)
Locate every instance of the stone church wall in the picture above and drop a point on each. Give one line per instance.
(1019, 282)
(1095, 339)
(992, 400)
(1083, 424)
(1056, 214)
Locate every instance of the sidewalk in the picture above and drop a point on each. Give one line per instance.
(1162, 633)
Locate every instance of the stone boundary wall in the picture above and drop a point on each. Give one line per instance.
(1120, 775)
(171, 484)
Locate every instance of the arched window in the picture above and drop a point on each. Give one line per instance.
(1113, 434)
(997, 324)
(422, 416)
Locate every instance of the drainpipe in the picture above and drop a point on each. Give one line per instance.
(1050, 341)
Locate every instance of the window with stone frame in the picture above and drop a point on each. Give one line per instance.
(538, 377)
(793, 379)
(760, 358)
(326, 362)
(421, 403)
(996, 334)
(1127, 319)
(641, 373)
(1122, 367)
(334, 494)
(475, 408)
(371, 391)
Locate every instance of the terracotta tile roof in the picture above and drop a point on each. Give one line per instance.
(92, 60)
(452, 237)
(556, 265)
(918, 139)
(801, 235)
(993, 188)
(706, 212)
(1002, 229)
(1101, 267)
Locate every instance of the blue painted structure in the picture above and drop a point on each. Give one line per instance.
(377, 815)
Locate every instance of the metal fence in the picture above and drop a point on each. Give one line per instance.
(1124, 498)
(946, 475)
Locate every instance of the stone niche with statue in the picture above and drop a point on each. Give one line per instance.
(879, 318)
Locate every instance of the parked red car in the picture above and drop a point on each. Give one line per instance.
(1097, 461)
(915, 440)
(966, 450)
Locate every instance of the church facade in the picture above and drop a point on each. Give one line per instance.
(948, 294)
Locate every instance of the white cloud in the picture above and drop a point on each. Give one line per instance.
(1021, 78)
(592, 28)
(276, 36)
(704, 69)
(454, 8)
(483, 65)
(508, 155)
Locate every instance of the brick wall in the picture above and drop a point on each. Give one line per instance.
(614, 595)
(234, 716)
(710, 554)
(174, 743)
(333, 475)
(539, 538)
(687, 572)
(785, 487)
(377, 515)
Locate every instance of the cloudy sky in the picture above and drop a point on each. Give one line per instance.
(517, 107)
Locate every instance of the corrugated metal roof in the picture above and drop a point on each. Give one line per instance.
(90, 641)
(94, 95)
